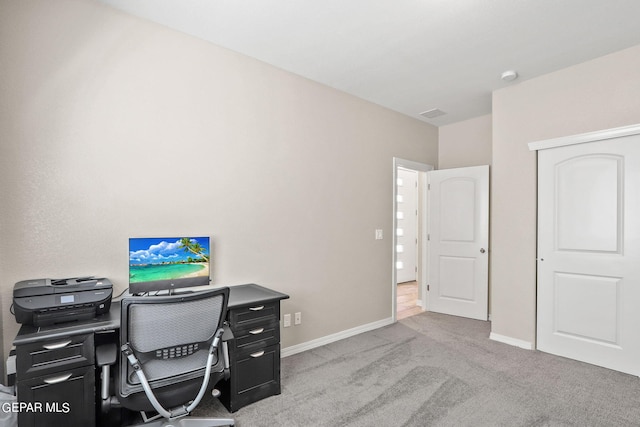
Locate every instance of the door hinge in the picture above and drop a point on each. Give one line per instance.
(428, 186)
(427, 288)
(428, 236)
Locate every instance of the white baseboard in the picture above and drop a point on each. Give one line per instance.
(511, 341)
(299, 348)
(419, 303)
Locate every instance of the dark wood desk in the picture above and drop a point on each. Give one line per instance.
(55, 364)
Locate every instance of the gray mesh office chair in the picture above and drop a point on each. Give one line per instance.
(170, 355)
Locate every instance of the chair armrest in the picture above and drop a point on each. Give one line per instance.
(106, 354)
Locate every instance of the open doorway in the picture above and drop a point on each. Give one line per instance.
(406, 226)
(408, 301)
(409, 237)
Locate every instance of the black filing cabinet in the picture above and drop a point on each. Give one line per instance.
(57, 377)
(254, 353)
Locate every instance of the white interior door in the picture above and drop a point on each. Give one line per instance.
(589, 252)
(459, 238)
(407, 225)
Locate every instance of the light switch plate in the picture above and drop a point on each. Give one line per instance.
(286, 322)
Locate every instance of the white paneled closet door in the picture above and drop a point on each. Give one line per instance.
(589, 251)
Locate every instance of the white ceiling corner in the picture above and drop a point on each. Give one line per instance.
(409, 55)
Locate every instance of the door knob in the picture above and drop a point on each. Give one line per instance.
(482, 250)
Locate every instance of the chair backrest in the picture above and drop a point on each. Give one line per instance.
(170, 336)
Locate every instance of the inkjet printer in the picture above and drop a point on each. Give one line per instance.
(44, 302)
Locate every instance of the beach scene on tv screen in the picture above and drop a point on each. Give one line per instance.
(153, 259)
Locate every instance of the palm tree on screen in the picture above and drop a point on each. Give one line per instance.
(194, 247)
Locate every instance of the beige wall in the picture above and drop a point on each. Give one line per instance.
(596, 95)
(113, 127)
(465, 143)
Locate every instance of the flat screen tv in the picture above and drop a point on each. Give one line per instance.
(169, 263)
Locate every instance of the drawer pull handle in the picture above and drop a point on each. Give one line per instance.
(258, 308)
(57, 345)
(56, 380)
(257, 354)
(256, 331)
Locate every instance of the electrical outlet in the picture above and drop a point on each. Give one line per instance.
(298, 318)
(286, 320)
(378, 234)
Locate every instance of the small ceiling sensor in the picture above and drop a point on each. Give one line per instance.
(509, 76)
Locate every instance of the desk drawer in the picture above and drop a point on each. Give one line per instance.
(65, 398)
(256, 376)
(45, 357)
(238, 317)
(257, 334)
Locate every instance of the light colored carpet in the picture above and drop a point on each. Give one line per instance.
(439, 370)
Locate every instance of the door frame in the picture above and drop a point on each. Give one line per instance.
(422, 169)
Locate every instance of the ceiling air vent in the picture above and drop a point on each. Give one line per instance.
(432, 114)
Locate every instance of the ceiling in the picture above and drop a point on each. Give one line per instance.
(408, 55)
